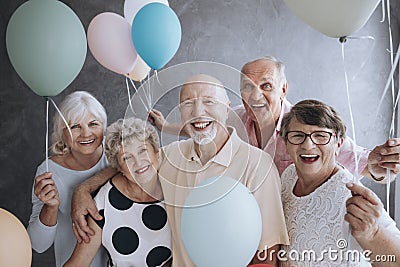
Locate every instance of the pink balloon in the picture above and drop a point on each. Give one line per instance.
(110, 41)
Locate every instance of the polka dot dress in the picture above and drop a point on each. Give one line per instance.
(134, 234)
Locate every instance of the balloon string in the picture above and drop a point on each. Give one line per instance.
(137, 92)
(391, 135)
(389, 80)
(387, 190)
(149, 91)
(146, 89)
(391, 131)
(383, 10)
(395, 105)
(145, 94)
(47, 134)
(129, 95)
(354, 137)
(62, 117)
(156, 74)
(367, 37)
(360, 37)
(351, 117)
(158, 81)
(390, 44)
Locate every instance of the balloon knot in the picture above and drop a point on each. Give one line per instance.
(343, 39)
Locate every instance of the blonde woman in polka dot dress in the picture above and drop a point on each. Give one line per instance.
(134, 228)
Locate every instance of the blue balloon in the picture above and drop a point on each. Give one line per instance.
(156, 34)
(221, 223)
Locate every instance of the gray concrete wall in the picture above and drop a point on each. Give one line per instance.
(225, 31)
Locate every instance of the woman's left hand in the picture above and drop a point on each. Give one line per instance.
(364, 209)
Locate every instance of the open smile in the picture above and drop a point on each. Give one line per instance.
(88, 142)
(309, 158)
(201, 125)
(142, 170)
(262, 105)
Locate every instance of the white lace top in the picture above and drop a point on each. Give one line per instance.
(315, 223)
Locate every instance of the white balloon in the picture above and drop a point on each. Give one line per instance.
(140, 70)
(334, 18)
(131, 7)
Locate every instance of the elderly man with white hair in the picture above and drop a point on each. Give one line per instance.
(213, 149)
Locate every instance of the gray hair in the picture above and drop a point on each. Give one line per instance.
(75, 107)
(314, 112)
(121, 133)
(278, 64)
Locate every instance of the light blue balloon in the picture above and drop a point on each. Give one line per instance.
(221, 223)
(156, 34)
(46, 44)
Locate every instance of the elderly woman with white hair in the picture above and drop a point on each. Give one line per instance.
(78, 155)
(134, 228)
(317, 203)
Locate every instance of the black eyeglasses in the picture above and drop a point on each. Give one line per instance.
(317, 137)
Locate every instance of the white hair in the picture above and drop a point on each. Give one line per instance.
(121, 133)
(75, 107)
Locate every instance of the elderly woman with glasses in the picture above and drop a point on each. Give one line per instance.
(318, 204)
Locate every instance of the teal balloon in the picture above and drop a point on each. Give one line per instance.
(46, 44)
(156, 34)
(221, 223)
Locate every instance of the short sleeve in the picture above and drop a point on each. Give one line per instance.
(238, 119)
(268, 196)
(346, 155)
